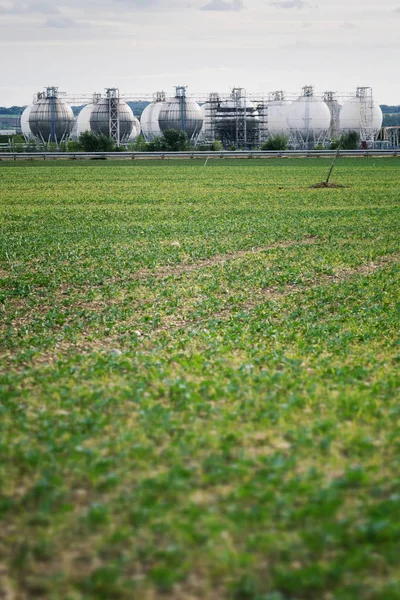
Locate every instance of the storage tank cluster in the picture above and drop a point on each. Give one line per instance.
(311, 119)
(234, 120)
(179, 112)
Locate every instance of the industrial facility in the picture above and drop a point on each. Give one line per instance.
(239, 120)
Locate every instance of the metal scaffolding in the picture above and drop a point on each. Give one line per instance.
(334, 107)
(112, 95)
(180, 93)
(367, 134)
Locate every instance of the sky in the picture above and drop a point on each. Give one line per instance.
(141, 46)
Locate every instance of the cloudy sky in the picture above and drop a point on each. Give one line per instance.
(142, 46)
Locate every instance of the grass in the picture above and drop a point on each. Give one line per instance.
(199, 380)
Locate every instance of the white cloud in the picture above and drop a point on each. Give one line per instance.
(224, 5)
(347, 25)
(291, 4)
(145, 45)
(23, 8)
(59, 22)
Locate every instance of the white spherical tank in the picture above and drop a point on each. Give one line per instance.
(308, 117)
(51, 120)
(100, 119)
(182, 114)
(206, 128)
(149, 121)
(83, 120)
(276, 117)
(136, 130)
(26, 130)
(359, 113)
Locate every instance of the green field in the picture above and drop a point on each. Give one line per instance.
(199, 380)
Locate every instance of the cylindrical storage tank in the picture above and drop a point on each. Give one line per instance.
(309, 118)
(231, 116)
(100, 119)
(26, 130)
(51, 120)
(183, 114)
(149, 121)
(361, 114)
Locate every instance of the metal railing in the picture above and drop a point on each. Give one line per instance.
(193, 154)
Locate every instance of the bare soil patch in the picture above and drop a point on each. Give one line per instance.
(324, 184)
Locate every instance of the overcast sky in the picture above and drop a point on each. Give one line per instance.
(143, 46)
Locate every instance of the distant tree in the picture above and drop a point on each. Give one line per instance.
(73, 146)
(215, 146)
(391, 120)
(277, 142)
(390, 108)
(12, 110)
(139, 144)
(347, 141)
(138, 107)
(93, 142)
(156, 145)
(334, 145)
(31, 146)
(175, 141)
(350, 140)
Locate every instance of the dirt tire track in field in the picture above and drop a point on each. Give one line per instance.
(219, 259)
(162, 272)
(268, 294)
(276, 293)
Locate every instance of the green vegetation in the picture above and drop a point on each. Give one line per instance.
(199, 380)
(277, 142)
(92, 142)
(347, 141)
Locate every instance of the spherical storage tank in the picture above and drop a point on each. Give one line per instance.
(51, 120)
(100, 119)
(83, 120)
(26, 130)
(136, 130)
(308, 117)
(276, 110)
(183, 114)
(360, 113)
(149, 120)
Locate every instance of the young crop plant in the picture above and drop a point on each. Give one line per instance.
(199, 380)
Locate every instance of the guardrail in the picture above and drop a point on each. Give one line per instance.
(192, 154)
